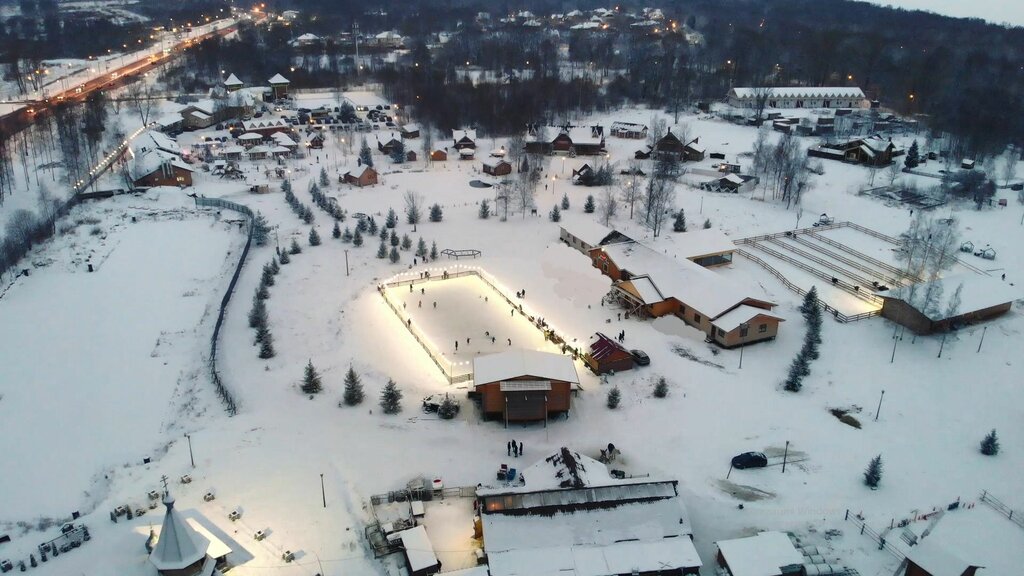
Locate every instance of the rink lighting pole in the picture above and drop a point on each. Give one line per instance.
(191, 459)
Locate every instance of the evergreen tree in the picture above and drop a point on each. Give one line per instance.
(421, 248)
(286, 187)
(810, 302)
(307, 215)
(274, 267)
(913, 158)
(267, 347)
(384, 235)
(392, 219)
(262, 292)
(268, 276)
(707, 223)
(448, 408)
(295, 248)
(357, 239)
(398, 153)
(614, 397)
(589, 206)
(324, 180)
(661, 388)
(485, 210)
(394, 239)
(262, 333)
(555, 215)
(346, 236)
(353, 388)
(311, 380)
(285, 258)
(314, 237)
(680, 223)
(797, 371)
(391, 398)
(314, 191)
(406, 242)
(394, 255)
(258, 313)
(382, 251)
(365, 154)
(873, 474)
(363, 225)
(433, 250)
(565, 201)
(336, 231)
(990, 445)
(435, 213)
(371, 225)
(260, 229)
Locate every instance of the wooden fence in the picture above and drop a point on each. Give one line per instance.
(997, 505)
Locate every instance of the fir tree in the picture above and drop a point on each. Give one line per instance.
(336, 231)
(406, 242)
(314, 191)
(990, 445)
(485, 210)
(392, 219)
(365, 154)
(565, 201)
(262, 333)
(275, 267)
(314, 237)
(371, 225)
(433, 250)
(435, 213)
(394, 239)
(707, 223)
(295, 248)
(382, 251)
(873, 474)
(357, 239)
(391, 398)
(346, 236)
(324, 180)
(363, 225)
(311, 380)
(267, 347)
(448, 408)
(307, 215)
(260, 229)
(680, 223)
(797, 371)
(353, 394)
(285, 258)
(394, 255)
(421, 248)
(268, 276)
(258, 313)
(262, 292)
(555, 215)
(589, 206)
(286, 187)
(398, 153)
(614, 397)
(913, 158)
(661, 388)
(384, 235)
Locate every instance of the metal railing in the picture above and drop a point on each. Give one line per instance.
(861, 280)
(857, 254)
(222, 391)
(851, 288)
(891, 280)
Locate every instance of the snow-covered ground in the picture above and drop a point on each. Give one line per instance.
(269, 459)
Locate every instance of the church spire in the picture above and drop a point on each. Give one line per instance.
(179, 547)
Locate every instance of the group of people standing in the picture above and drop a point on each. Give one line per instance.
(514, 449)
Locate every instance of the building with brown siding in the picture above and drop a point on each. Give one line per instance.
(956, 300)
(524, 385)
(497, 167)
(607, 355)
(360, 176)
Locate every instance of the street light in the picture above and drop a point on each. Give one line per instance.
(190, 457)
(744, 327)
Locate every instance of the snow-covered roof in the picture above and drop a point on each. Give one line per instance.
(259, 149)
(204, 105)
(418, 548)
(464, 134)
(697, 243)
(976, 536)
(977, 292)
(150, 161)
(802, 92)
(251, 136)
(233, 81)
(760, 555)
(356, 171)
(154, 140)
(365, 99)
(284, 139)
(179, 546)
(169, 119)
(280, 150)
(587, 230)
(584, 135)
(467, 152)
(265, 123)
(743, 313)
(937, 560)
(411, 127)
(516, 363)
(277, 79)
(233, 149)
(494, 162)
(200, 115)
(307, 37)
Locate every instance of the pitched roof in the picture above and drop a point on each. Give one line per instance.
(977, 292)
(742, 314)
(494, 162)
(179, 545)
(233, 81)
(802, 92)
(458, 135)
(697, 243)
(516, 363)
(278, 79)
(356, 171)
(603, 346)
(587, 230)
(418, 548)
(937, 560)
(760, 555)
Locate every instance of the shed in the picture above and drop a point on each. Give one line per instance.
(708, 247)
(767, 554)
(497, 167)
(418, 552)
(438, 155)
(524, 385)
(607, 355)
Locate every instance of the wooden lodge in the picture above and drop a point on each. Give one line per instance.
(671, 145)
(360, 176)
(607, 355)
(570, 140)
(870, 151)
(464, 139)
(524, 385)
(497, 167)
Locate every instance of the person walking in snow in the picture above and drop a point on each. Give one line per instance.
(509, 341)
(515, 449)
(493, 339)
(509, 446)
(435, 304)
(520, 448)
(467, 341)
(456, 345)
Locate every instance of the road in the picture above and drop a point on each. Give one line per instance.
(24, 117)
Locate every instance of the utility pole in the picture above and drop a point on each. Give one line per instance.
(879, 410)
(193, 460)
(323, 493)
(785, 457)
(346, 263)
(943, 344)
(982, 341)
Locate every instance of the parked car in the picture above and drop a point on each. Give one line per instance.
(640, 357)
(258, 115)
(433, 402)
(750, 460)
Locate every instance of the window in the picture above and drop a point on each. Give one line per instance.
(762, 328)
(721, 333)
(743, 331)
(696, 318)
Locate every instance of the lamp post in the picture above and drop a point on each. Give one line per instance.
(785, 457)
(743, 334)
(879, 410)
(190, 457)
(323, 493)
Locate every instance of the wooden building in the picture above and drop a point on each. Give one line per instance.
(870, 151)
(798, 97)
(418, 551)
(439, 155)
(387, 144)
(159, 168)
(671, 145)
(629, 130)
(607, 355)
(958, 300)
(410, 131)
(766, 554)
(497, 167)
(360, 176)
(232, 83)
(585, 235)
(930, 559)
(571, 140)
(464, 139)
(279, 86)
(524, 385)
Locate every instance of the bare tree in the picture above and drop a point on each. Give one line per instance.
(140, 98)
(661, 194)
(893, 171)
(761, 96)
(427, 135)
(413, 208)
(656, 131)
(516, 149)
(1009, 167)
(609, 205)
(523, 190)
(631, 188)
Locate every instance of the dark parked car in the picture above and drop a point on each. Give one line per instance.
(750, 460)
(433, 402)
(640, 357)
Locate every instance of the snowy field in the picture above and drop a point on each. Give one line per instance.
(268, 460)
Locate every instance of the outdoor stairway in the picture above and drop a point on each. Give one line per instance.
(865, 294)
(860, 280)
(887, 267)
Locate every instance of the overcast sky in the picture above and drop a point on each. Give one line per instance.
(997, 11)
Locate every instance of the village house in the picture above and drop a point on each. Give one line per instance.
(497, 167)
(410, 131)
(871, 151)
(964, 540)
(649, 283)
(249, 139)
(629, 130)
(361, 175)
(671, 145)
(567, 515)
(731, 183)
(198, 115)
(389, 143)
(232, 152)
(607, 355)
(439, 155)
(464, 139)
(267, 126)
(571, 140)
(467, 153)
(313, 140)
(767, 554)
(798, 97)
(524, 385)
(585, 234)
(948, 303)
(232, 83)
(307, 40)
(159, 168)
